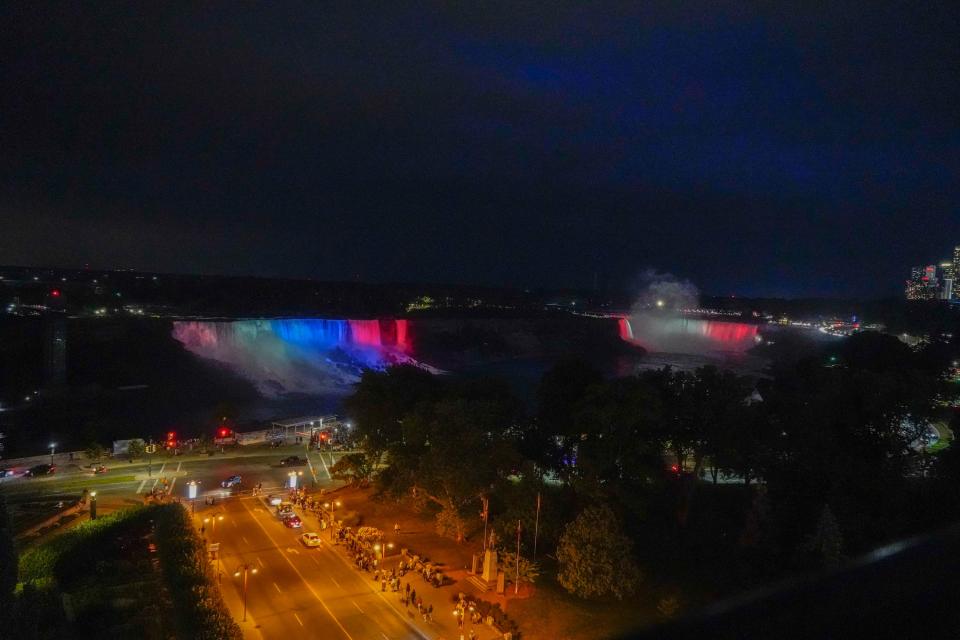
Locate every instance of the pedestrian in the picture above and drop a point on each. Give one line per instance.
(383, 585)
(473, 634)
(413, 595)
(396, 528)
(420, 605)
(408, 589)
(430, 612)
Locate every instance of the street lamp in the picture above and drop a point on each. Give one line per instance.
(245, 569)
(293, 478)
(382, 550)
(93, 505)
(53, 447)
(213, 524)
(332, 506)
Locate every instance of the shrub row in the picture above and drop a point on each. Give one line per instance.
(199, 609)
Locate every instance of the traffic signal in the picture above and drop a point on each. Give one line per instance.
(224, 432)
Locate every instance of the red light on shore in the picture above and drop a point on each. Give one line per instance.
(55, 293)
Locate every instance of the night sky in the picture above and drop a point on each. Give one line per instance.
(779, 151)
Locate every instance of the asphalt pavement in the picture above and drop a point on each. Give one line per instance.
(297, 591)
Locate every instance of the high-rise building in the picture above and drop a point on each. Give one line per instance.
(923, 283)
(956, 269)
(946, 279)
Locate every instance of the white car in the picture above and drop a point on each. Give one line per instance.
(310, 539)
(273, 500)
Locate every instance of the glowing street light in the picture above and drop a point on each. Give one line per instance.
(93, 505)
(53, 448)
(213, 524)
(382, 549)
(293, 478)
(332, 506)
(245, 570)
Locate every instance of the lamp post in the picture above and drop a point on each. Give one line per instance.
(382, 550)
(293, 478)
(213, 528)
(332, 506)
(93, 505)
(213, 524)
(245, 570)
(53, 448)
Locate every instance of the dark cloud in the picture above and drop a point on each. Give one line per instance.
(796, 149)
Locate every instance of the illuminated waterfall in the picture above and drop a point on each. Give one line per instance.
(676, 334)
(311, 356)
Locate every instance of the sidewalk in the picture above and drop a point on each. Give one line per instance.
(444, 624)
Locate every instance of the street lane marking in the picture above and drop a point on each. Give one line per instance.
(178, 466)
(140, 488)
(298, 619)
(358, 607)
(384, 636)
(315, 561)
(334, 580)
(245, 539)
(261, 562)
(325, 465)
(171, 485)
(305, 581)
(277, 588)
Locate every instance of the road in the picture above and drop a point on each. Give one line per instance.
(297, 592)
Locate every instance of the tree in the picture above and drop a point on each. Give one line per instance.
(529, 570)
(355, 468)
(136, 449)
(8, 562)
(380, 402)
(595, 556)
(95, 451)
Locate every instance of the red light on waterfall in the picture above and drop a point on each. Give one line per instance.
(366, 332)
(402, 336)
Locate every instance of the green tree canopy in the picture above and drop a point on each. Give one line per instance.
(595, 556)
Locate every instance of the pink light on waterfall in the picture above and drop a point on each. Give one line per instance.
(626, 331)
(366, 333)
(403, 342)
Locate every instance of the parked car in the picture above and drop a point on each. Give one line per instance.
(230, 482)
(293, 461)
(292, 521)
(310, 539)
(41, 470)
(5, 472)
(99, 469)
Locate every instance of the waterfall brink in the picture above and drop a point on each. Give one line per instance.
(676, 334)
(311, 356)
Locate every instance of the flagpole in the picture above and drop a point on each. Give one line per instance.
(536, 528)
(516, 584)
(486, 517)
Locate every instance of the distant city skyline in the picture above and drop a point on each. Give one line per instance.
(935, 281)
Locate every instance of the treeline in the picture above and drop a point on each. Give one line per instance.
(704, 479)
